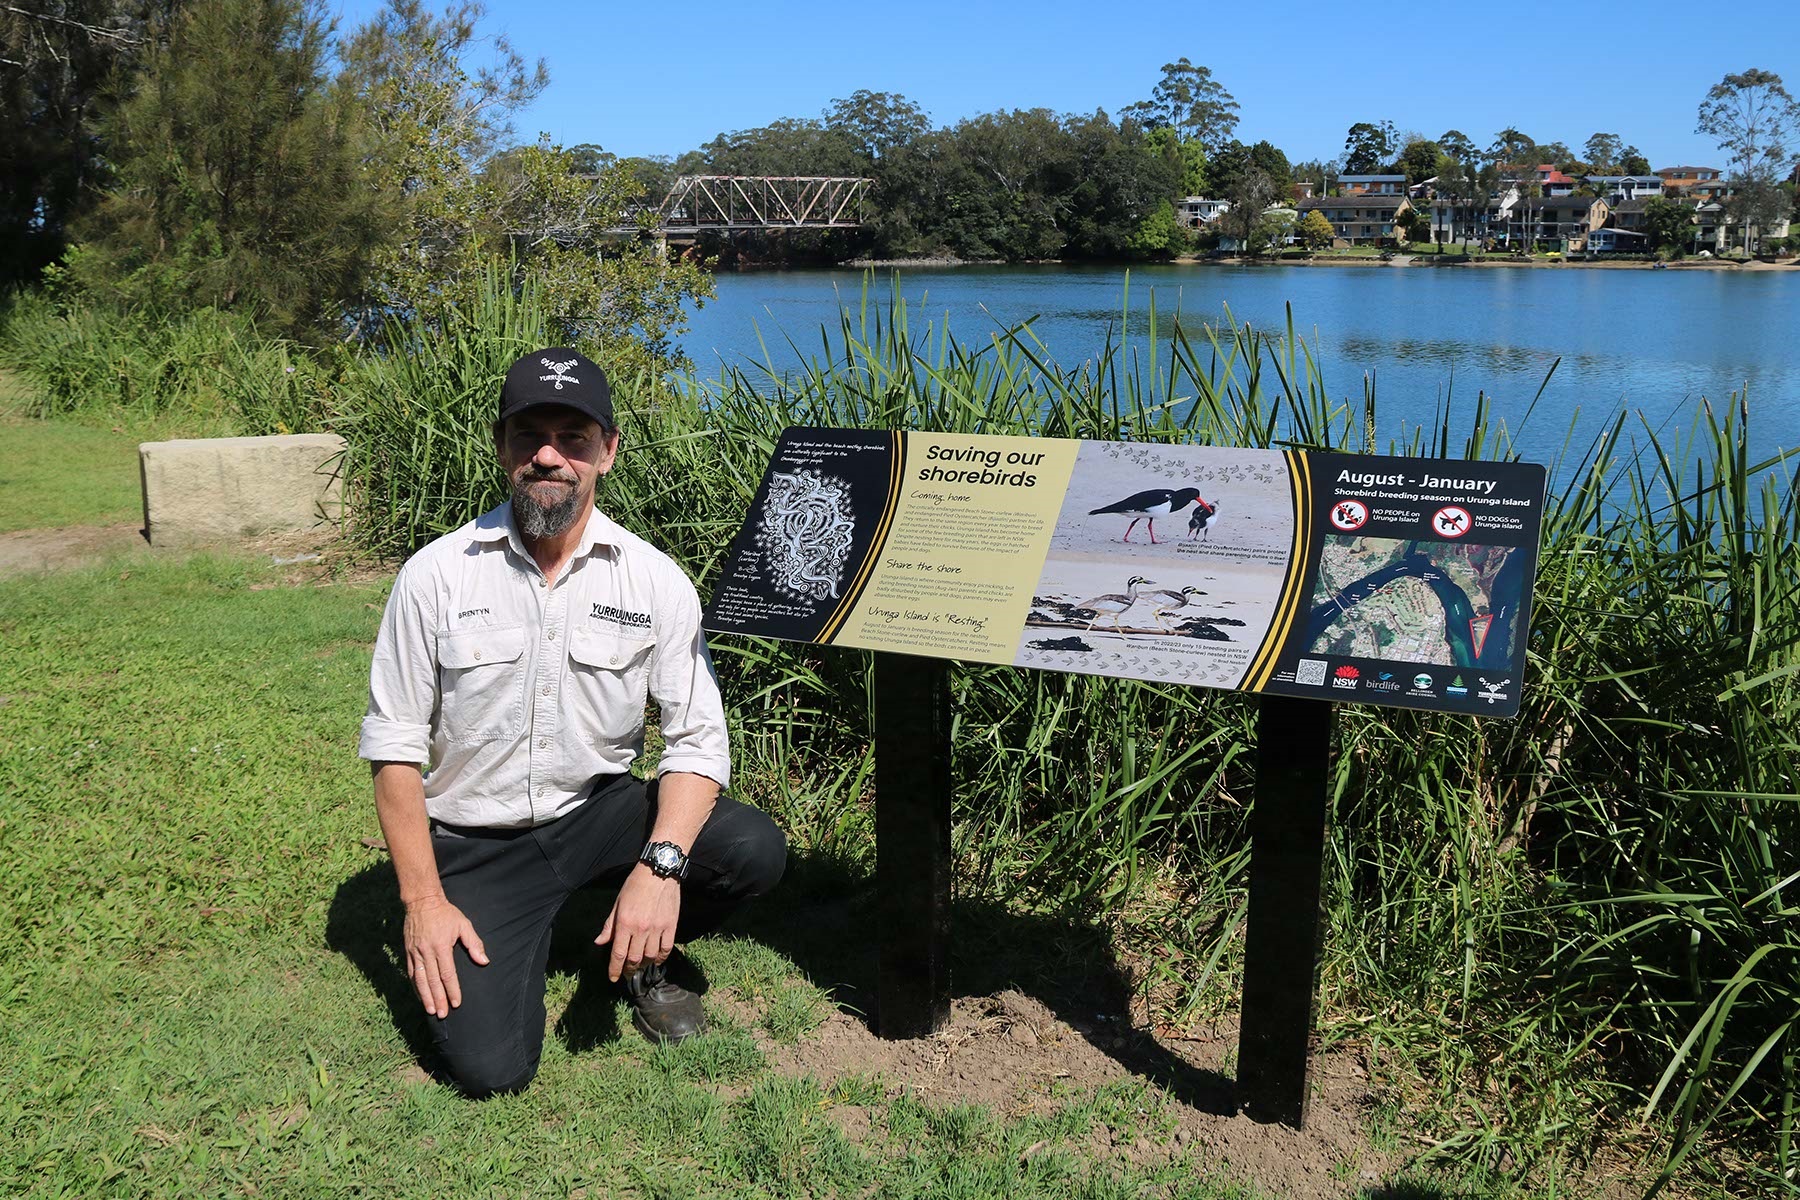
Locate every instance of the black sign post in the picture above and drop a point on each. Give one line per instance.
(1281, 941)
(912, 843)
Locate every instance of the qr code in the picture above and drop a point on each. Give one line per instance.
(1310, 671)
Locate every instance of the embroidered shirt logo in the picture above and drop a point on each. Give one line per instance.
(560, 375)
(620, 616)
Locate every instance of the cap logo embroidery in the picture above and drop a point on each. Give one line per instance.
(559, 377)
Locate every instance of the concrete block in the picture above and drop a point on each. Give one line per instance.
(199, 491)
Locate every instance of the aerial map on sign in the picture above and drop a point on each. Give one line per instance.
(1416, 601)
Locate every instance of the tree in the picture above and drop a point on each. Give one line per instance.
(1419, 160)
(1268, 159)
(1368, 148)
(1756, 123)
(1457, 145)
(1271, 230)
(1190, 100)
(57, 59)
(1187, 155)
(1159, 235)
(1668, 222)
(1605, 152)
(1250, 195)
(1314, 231)
(439, 118)
(1633, 162)
(237, 172)
(1558, 155)
(1234, 160)
(875, 123)
(1512, 148)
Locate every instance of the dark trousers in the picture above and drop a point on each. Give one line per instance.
(511, 883)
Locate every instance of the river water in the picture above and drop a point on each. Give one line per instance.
(1654, 342)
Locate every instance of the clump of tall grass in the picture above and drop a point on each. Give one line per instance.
(206, 368)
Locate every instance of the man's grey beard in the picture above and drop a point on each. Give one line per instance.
(540, 520)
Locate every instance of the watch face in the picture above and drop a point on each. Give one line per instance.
(667, 857)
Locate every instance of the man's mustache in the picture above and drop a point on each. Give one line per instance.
(548, 477)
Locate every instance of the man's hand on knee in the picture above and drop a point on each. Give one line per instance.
(433, 927)
(641, 925)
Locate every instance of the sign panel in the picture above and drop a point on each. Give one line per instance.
(1399, 581)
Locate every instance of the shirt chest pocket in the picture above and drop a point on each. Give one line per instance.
(481, 683)
(609, 673)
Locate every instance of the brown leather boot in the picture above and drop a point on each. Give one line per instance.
(661, 1010)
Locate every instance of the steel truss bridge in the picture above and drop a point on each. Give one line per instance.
(740, 203)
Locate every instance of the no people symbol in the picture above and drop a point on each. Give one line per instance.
(1349, 515)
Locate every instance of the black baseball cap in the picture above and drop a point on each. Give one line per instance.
(558, 375)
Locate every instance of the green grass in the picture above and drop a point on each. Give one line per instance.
(59, 473)
(199, 989)
(1568, 933)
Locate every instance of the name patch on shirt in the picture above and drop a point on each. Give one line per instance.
(620, 616)
(466, 613)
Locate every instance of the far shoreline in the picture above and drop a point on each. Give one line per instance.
(1400, 259)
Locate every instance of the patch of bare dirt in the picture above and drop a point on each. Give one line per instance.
(24, 551)
(1009, 1052)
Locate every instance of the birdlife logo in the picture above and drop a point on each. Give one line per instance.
(1349, 514)
(1383, 682)
(1490, 689)
(561, 375)
(1346, 676)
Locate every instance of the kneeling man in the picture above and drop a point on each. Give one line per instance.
(515, 658)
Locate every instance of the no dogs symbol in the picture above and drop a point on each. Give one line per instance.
(1450, 521)
(1349, 514)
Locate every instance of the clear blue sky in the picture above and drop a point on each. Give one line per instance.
(661, 78)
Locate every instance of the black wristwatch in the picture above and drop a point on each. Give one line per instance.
(665, 859)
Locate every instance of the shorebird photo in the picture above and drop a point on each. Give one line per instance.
(1113, 604)
(1169, 600)
(1202, 519)
(1149, 505)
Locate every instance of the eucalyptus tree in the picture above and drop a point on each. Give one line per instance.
(1757, 123)
(1190, 100)
(1369, 147)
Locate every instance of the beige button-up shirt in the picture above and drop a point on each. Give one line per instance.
(515, 693)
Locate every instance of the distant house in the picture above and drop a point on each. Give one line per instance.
(1619, 188)
(1563, 220)
(1302, 190)
(1569, 219)
(1717, 228)
(1372, 185)
(1363, 219)
(1195, 211)
(1459, 222)
(1617, 241)
(1628, 215)
(1552, 181)
(1677, 180)
(1233, 245)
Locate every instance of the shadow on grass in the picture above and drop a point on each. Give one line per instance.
(823, 914)
(820, 919)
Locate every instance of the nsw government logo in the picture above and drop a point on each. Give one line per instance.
(1345, 677)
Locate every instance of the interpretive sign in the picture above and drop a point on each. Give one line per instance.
(1349, 577)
